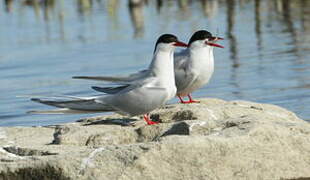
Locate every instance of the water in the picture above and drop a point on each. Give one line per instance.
(45, 42)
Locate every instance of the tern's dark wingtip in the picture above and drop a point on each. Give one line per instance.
(96, 88)
(35, 99)
(30, 112)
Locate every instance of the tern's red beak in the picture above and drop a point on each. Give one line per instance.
(180, 44)
(214, 44)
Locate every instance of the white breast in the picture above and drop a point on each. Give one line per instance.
(199, 68)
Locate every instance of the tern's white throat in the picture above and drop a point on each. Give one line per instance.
(162, 63)
(201, 56)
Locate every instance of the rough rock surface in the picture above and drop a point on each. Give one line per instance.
(214, 139)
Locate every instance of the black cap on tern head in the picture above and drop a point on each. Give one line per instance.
(200, 35)
(166, 38)
(169, 38)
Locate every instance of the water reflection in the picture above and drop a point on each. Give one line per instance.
(159, 4)
(112, 8)
(132, 3)
(287, 18)
(209, 7)
(304, 15)
(48, 6)
(258, 26)
(8, 5)
(137, 17)
(230, 33)
(84, 6)
(183, 5)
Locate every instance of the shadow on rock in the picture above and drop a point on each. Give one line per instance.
(113, 121)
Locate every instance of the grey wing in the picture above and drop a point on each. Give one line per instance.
(130, 77)
(138, 98)
(183, 78)
(122, 85)
(180, 59)
(110, 90)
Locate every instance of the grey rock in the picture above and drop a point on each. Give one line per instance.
(214, 139)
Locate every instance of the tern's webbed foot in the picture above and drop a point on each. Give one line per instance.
(152, 122)
(189, 101)
(148, 120)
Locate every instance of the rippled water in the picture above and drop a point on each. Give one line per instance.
(45, 42)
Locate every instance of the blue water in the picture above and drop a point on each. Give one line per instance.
(266, 56)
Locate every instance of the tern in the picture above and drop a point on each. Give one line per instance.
(193, 67)
(133, 98)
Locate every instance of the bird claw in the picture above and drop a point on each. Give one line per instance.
(151, 122)
(189, 102)
(148, 120)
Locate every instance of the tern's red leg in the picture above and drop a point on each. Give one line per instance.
(147, 119)
(181, 100)
(189, 101)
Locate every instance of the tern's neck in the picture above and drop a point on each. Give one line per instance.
(201, 57)
(162, 66)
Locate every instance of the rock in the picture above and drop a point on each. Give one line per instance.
(214, 139)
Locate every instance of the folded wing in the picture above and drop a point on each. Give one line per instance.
(131, 77)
